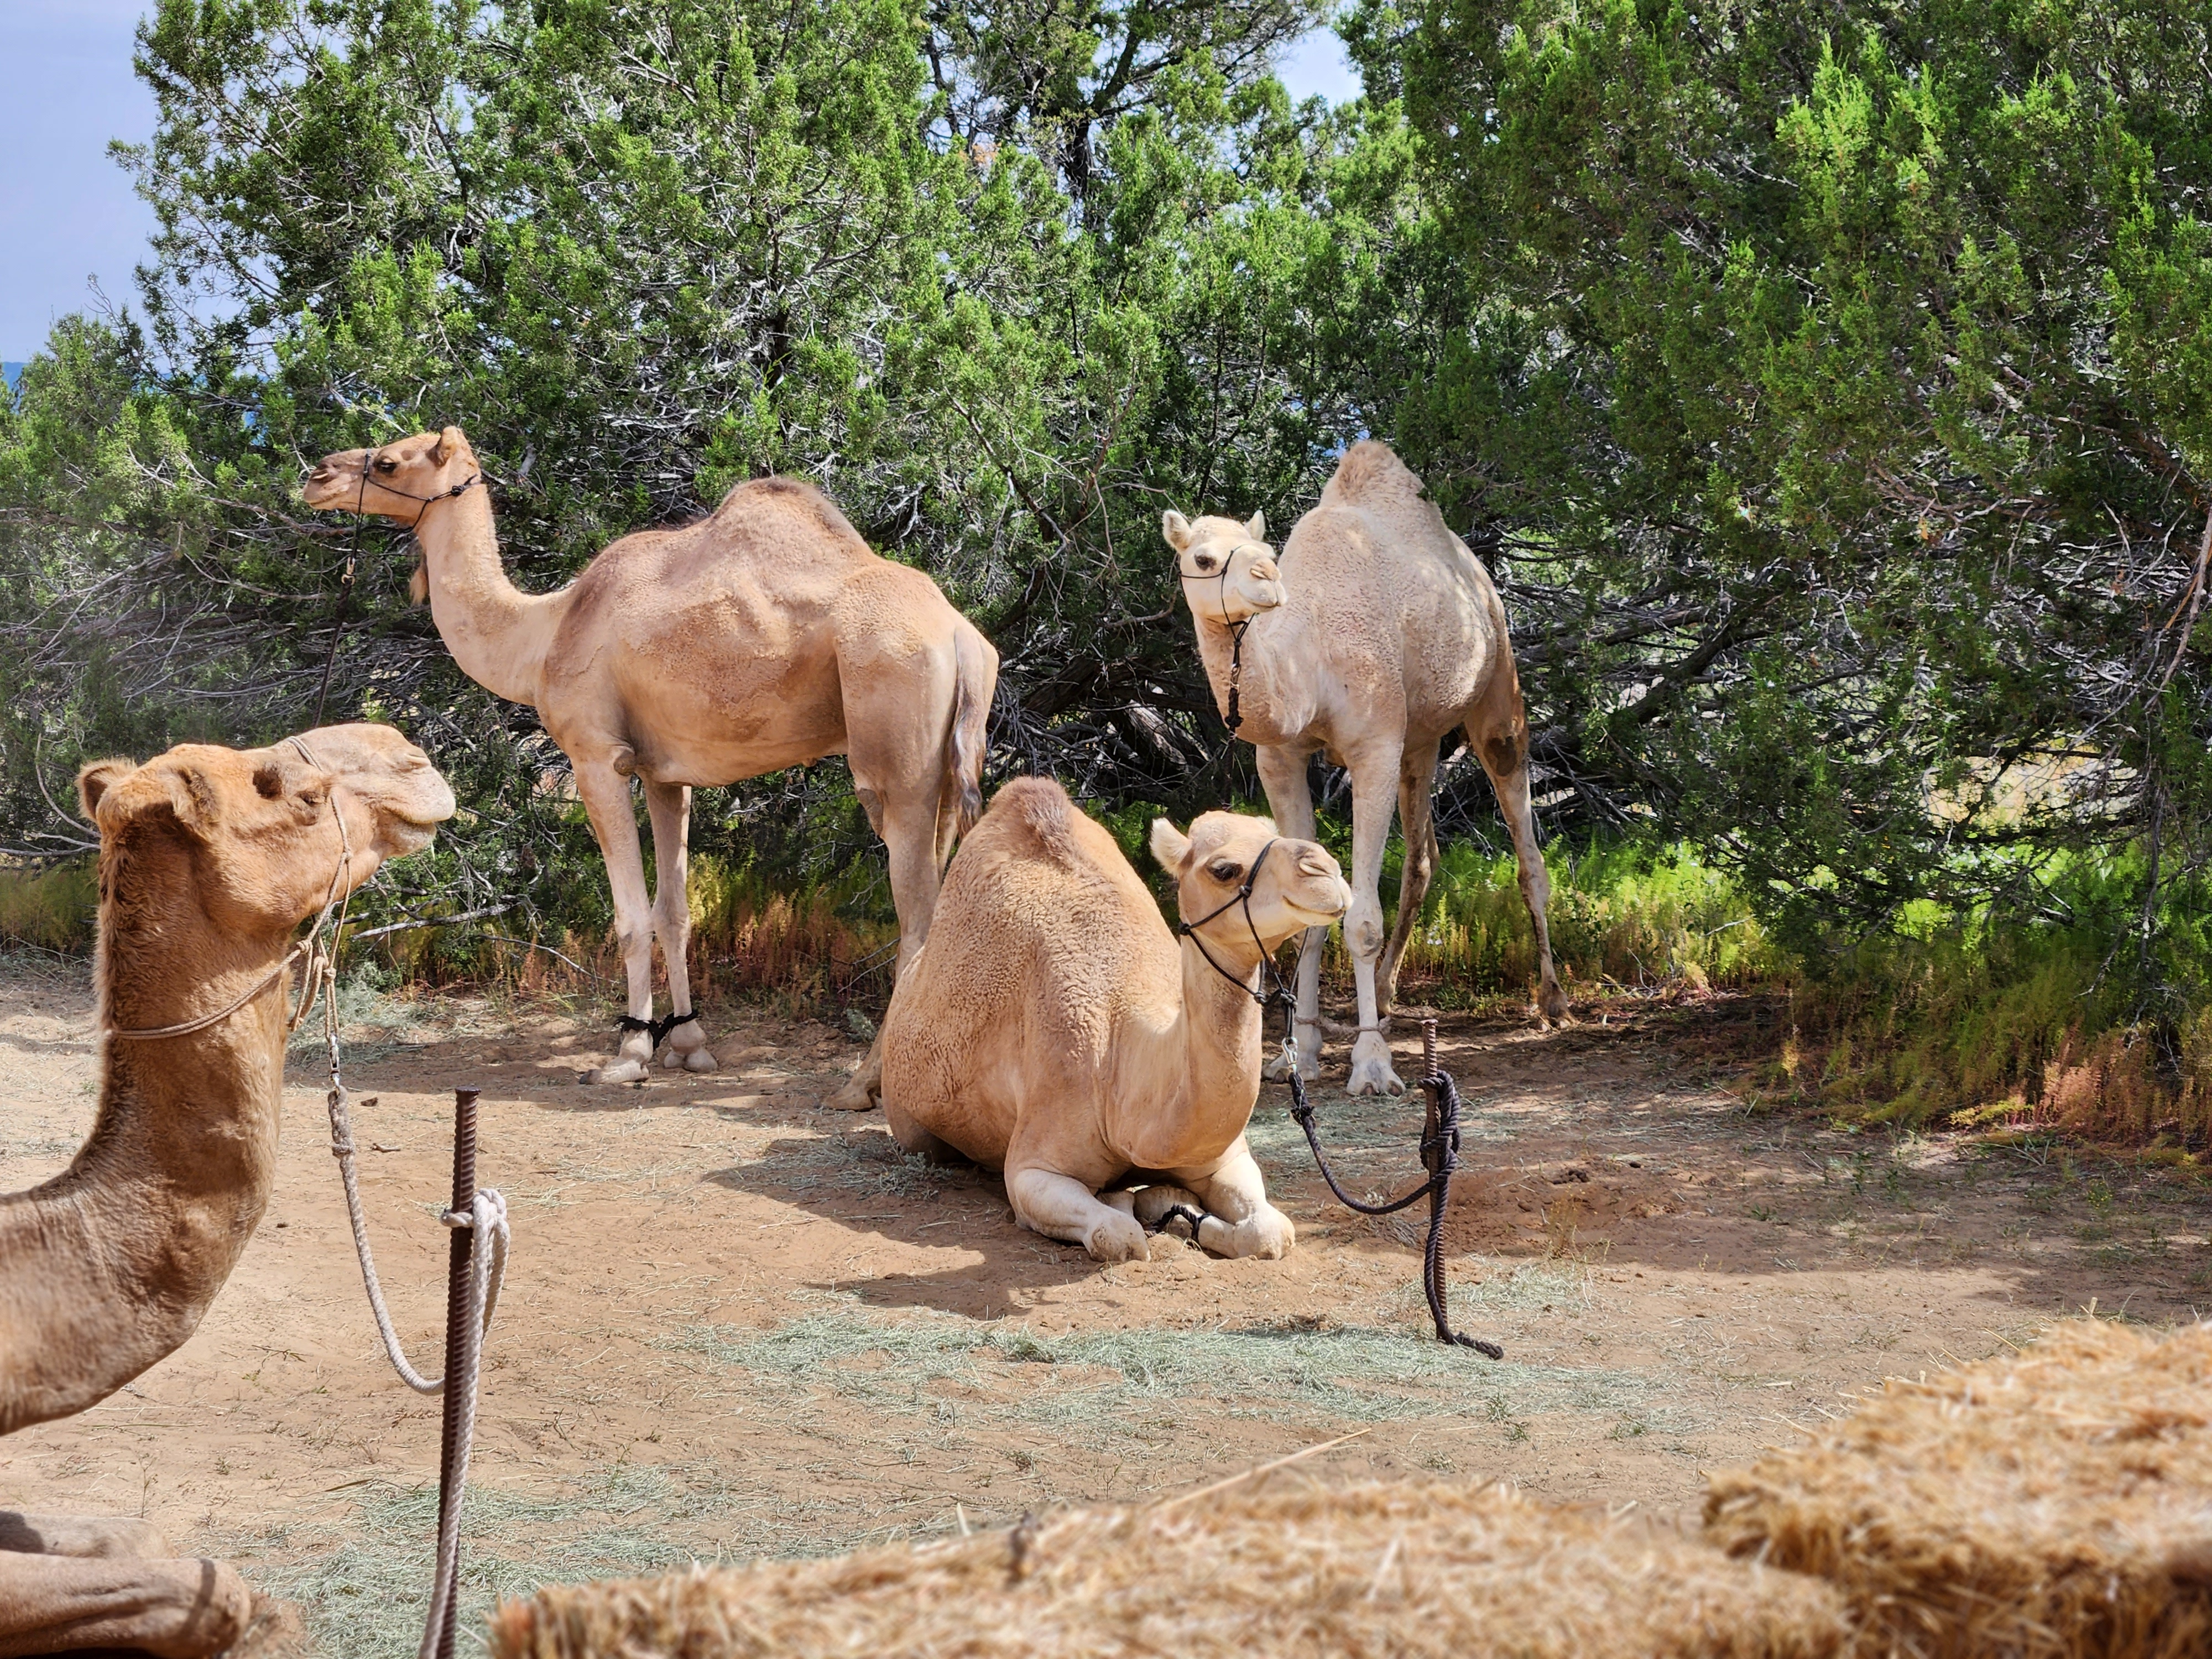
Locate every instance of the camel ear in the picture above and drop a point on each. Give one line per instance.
(1256, 526)
(1169, 846)
(1175, 528)
(448, 440)
(97, 778)
(418, 585)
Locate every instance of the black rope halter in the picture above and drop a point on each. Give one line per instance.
(1235, 716)
(1440, 1138)
(353, 556)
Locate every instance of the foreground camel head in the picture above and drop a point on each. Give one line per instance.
(1227, 569)
(261, 829)
(401, 476)
(1298, 885)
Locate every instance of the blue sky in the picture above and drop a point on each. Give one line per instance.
(68, 214)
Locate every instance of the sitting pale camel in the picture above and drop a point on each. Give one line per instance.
(767, 635)
(1375, 636)
(1052, 1027)
(208, 859)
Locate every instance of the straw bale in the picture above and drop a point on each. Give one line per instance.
(1286, 1569)
(2053, 1504)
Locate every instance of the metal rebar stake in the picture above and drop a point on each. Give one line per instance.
(457, 1317)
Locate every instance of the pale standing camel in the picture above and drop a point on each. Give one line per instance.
(1053, 1029)
(767, 635)
(1375, 636)
(209, 857)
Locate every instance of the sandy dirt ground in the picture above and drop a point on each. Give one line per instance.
(737, 1324)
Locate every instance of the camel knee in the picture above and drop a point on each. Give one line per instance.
(1362, 927)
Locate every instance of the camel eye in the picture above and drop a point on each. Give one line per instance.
(1225, 870)
(387, 466)
(1205, 561)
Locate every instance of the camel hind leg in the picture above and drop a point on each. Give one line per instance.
(1417, 783)
(1498, 732)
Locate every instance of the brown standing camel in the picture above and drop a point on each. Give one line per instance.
(208, 859)
(1053, 1029)
(767, 635)
(1375, 636)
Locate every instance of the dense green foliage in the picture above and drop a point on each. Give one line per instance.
(1824, 382)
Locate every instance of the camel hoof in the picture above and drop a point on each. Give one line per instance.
(1118, 1238)
(853, 1098)
(1552, 1003)
(1374, 1077)
(1267, 1235)
(700, 1059)
(621, 1071)
(1278, 1070)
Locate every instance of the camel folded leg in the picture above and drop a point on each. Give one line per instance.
(1062, 1208)
(172, 1608)
(1239, 1220)
(80, 1535)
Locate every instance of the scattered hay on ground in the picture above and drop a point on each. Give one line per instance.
(1284, 1569)
(2047, 1505)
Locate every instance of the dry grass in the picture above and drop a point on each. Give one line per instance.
(1284, 1569)
(2051, 1505)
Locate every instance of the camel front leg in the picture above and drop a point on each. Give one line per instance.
(606, 793)
(176, 1609)
(1062, 1208)
(1374, 796)
(1239, 1220)
(1417, 783)
(670, 805)
(1290, 797)
(908, 824)
(1498, 732)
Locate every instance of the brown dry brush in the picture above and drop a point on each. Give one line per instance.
(1282, 1569)
(2050, 1505)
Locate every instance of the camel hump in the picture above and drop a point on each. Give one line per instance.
(792, 494)
(1371, 474)
(1041, 807)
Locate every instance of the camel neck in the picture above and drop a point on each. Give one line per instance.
(1269, 697)
(1220, 1033)
(107, 1268)
(498, 634)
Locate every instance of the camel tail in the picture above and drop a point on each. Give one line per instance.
(978, 683)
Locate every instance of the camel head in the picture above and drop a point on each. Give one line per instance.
(259, 829)
(1299, 884)
(1227, 569)
(401, 478)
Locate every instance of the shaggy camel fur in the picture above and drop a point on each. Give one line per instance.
(208, 859)
(767, 635)
(1375, 636)
(1054, 1028)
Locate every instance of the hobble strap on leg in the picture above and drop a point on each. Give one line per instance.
(658, 1029)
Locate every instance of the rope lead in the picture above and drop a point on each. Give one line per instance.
(1439, 1155)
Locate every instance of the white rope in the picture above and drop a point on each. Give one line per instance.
(487, 1217)
(341, 1148)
